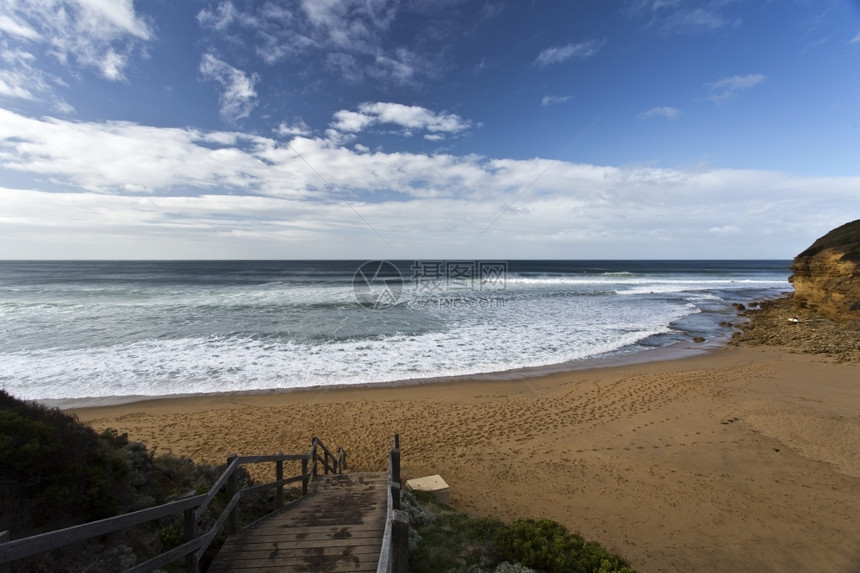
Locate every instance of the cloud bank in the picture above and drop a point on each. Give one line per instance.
(149, 192)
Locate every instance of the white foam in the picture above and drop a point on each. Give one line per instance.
(163, 339)
(525, 335)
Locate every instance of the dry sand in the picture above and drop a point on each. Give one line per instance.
(745, 459)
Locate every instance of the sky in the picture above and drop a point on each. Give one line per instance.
(416, 129)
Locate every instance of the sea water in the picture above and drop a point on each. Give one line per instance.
(113, 329)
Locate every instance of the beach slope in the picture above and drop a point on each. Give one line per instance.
(744, 459)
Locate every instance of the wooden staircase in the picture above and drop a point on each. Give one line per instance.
(338, 527)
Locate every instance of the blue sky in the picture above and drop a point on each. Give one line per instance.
(416, 129)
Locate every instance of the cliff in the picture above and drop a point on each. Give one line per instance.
(827, 275)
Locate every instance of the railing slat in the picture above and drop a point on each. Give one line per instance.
(272, 458)
(274, 484)
(4, 537)
(219, 523)
(216, 487)
(167, 557)
(28, 546)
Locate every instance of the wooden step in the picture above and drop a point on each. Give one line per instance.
(337, 527)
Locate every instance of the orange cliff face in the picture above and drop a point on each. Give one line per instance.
(827, 275)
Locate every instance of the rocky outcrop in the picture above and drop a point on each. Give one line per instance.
(779, 323)
(827, 275)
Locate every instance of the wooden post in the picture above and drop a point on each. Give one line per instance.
(192, 564)
(399, 541)
(395, 459)
(232, 490)
(395, 494)
(314, 456)
(4, 537)
(279, 475)
(305, 477)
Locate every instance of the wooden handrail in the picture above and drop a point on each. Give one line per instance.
(29, 546)
(193, 507)
(394, 554)
(216, 487)
(338, 462)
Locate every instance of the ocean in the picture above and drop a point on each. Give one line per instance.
(87, 329)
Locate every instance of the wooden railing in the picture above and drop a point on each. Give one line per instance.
(394, 556)
(331, 463)
(192, 507)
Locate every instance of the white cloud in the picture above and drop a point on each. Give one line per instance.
(665, 112)
(725, 229)
(351, 121)
(118, 157)
(17, 28)
(218, 18)
(350, 23)
(238, 96)
(125, 190)
(21, 79)
(409, 118)
(558, 54)
(97, 34)
(555, 100)
(352, 36)
(726, 88)
(679, 17)
(735, 83)
(299, 127)
(401, 66)
(855, 39)
(346, 66)
(14, 83)
(118, 14)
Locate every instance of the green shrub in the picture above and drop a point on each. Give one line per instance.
(539, 544)
(548, 546)
(53, 469)
(454, 542)
(507, 567)
(171, 535)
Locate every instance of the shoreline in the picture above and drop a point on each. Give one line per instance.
(675, 351)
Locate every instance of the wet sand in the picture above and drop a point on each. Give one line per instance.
(744, 459)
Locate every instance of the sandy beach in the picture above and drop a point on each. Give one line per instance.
(744, 459)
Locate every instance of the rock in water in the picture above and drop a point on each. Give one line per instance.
(827, 275)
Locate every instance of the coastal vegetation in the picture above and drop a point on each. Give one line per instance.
(443, 540)
(56, 472)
